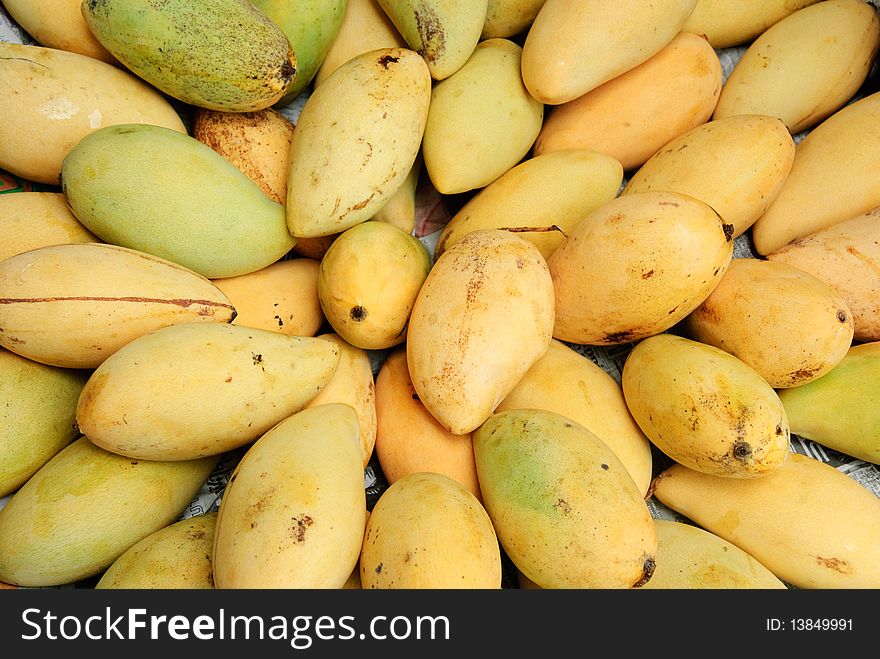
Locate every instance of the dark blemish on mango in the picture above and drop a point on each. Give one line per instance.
(841, 315)
(258, 359)
(618, 337)
(385, 60)
(647, 572)
(300, 524)
(604, 466)
(379, 569)
(431, 34)
(834, 564)
(742, 450)
(648, 274)
(357, 313)
(728, 231)
(563, 506)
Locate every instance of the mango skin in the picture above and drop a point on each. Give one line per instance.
(839, 409)
(37, 415)
(508, 18)
(808, 523)
(54, 98)
(217, 54)
(427, 531)
(727, 24)
(199, 210)
(29, 220)
(563, 505)
(85, 507)
(58, 24)
(175, 557)
(294, 511)
(705, 408)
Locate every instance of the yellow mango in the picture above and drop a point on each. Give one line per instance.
(483, 316)
(409, 439)
(427, 531)
(58, 24)
(637, 265)
(175, 557)
(363, 125)
(197, 389)
(636, 113)
(704, 408)
(747, 315)
(846, 256)
(75, 305)
(727, 23)
(827, 183)
(294, 511)
(53, 98)
(542, 198)
(573, 46)
(566, 382)
(508, 18)
(85, 507)
(806, 66)
(563, 505)
(481, 121)
(29, 220)
(808, 523)
(737, 165)
(400, 209)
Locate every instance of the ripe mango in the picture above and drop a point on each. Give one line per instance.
(29, 220)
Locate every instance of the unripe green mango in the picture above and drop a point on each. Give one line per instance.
(165, 193)
(87, 506)
(37, 415)
(218, 54)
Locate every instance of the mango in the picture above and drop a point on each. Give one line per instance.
(839, 410)
(216, 54)
(704, 408)
(482, 317)
(746, 314)
(85, 507)
(508, 18)
(37, 416)
(294, 511)
(635, 266)
(727, 24)
(400, 209)
(565, 509)
(808, 523)
(362, 125)
(197, 389)
(58, 24)
(198, 210)
(481, 121)
(175, 557)
(29, 220)
(75, 305)
(53, 98)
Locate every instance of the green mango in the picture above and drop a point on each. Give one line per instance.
(840, 409)
(222, 55)
(310, 26)
(37, 415)
(165, 193)
(85, 507)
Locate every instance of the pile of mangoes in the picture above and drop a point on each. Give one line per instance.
(226, 256)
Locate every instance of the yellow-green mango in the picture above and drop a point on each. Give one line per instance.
(565, 509)
(689, 557)
(85, 507)
(356, 140)
(294, 511)
(827, 183)
(806, 66)
(216, 54)
(737, 165)
(636, 113)
(542, 198)
(37, 415)
(808, 523)
(427, 531)
(635, 266)
(566, 382)
(58, 24)
(53, 98)
(846, 256)
(508, 18)
(165, 193)
(175, 557)
(444, 32)
(29, 220)
(400, 209)
(310, 26)
(574, 46)
(839, 410)
(726, 23)
(368, 282)
(746, 314)
(482, 120)
(483, 316)
(75, 305)
(704, 408)
(197, 389)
